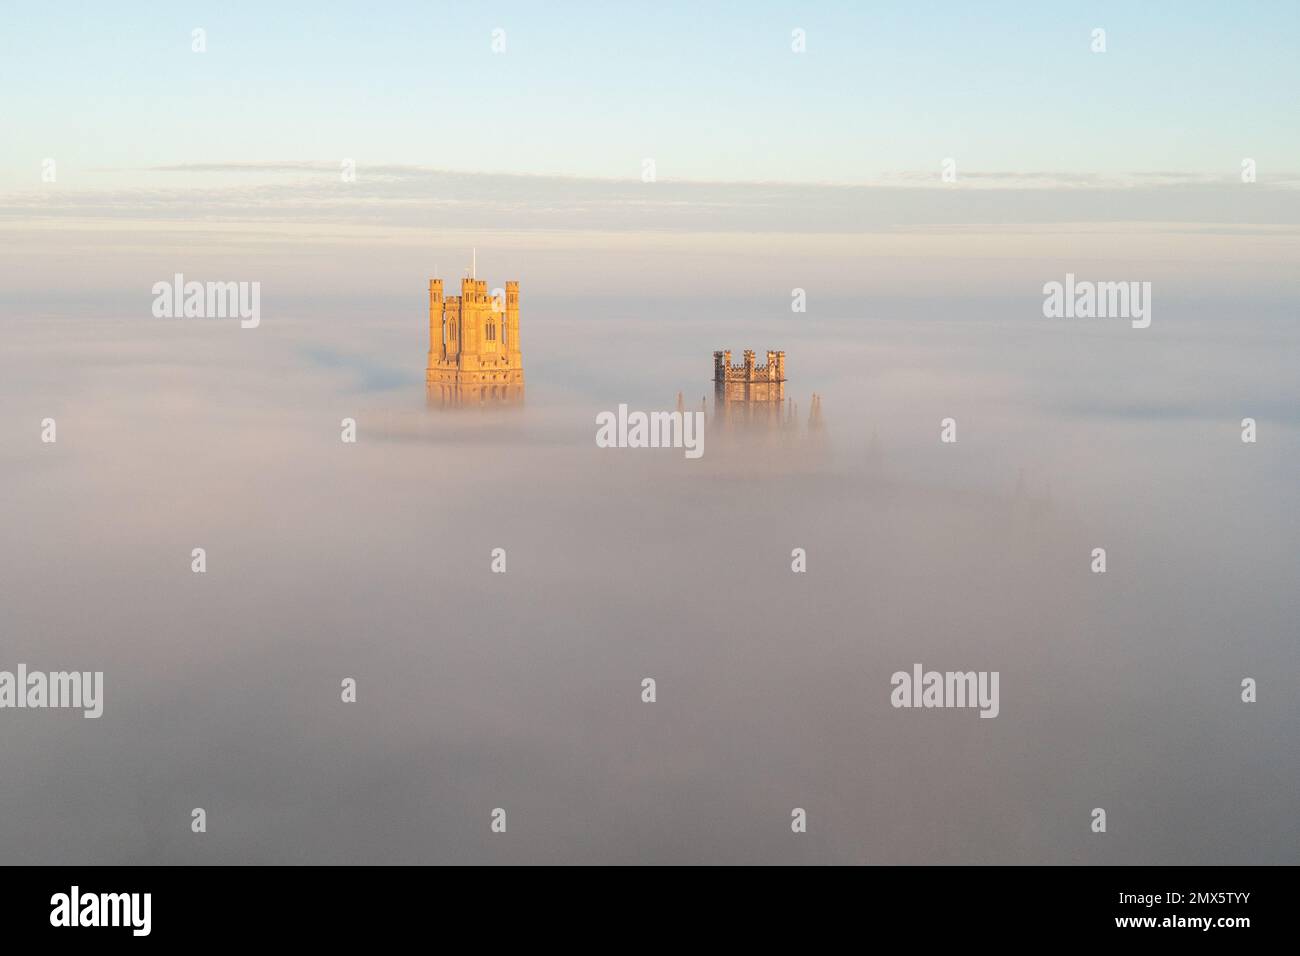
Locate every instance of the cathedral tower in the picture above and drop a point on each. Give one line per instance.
(474, 350)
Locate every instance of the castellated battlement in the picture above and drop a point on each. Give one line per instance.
(748, 372)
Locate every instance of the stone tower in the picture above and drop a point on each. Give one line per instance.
(474, 351)
(748, 393)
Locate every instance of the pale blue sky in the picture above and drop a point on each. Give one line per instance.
(710, 91)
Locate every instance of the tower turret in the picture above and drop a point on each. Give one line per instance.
(437, 339)
(511, 339)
